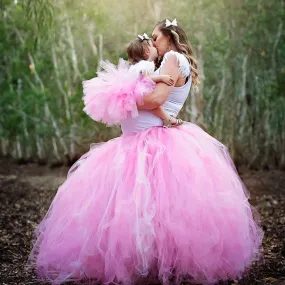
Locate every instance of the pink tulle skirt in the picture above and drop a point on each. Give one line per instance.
(165, 203)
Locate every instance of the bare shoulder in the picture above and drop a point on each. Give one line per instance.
(175, 58)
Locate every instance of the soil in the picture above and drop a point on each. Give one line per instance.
(27, 190)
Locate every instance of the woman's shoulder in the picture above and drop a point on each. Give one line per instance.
(183, 63)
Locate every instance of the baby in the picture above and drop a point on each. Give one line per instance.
(141, 55)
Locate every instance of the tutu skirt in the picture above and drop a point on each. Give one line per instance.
(113, 95)
(165, 203)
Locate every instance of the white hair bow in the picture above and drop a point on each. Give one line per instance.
(169, 23)
(143, 37)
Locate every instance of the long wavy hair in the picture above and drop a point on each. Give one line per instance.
(180, 40)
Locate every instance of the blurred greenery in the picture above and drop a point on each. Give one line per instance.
(48, 47)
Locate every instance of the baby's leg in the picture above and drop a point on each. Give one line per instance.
(167, 119)
(161, 113)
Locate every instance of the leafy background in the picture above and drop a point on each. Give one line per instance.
(48, 47)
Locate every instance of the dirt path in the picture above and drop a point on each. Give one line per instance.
(26, 192)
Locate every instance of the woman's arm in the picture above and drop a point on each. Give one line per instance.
(161, 90)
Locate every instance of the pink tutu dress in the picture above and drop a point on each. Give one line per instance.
(155, 202)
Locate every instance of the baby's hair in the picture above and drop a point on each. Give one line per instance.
(136, 50)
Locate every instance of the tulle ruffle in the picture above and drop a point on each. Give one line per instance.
(113, 95)
(164, 203)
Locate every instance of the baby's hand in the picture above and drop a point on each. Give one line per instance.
(167, 79)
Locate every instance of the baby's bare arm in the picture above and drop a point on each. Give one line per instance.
(167, 79)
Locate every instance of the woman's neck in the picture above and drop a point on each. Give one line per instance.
(172, 47)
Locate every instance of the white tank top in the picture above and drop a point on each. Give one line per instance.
(173, 104)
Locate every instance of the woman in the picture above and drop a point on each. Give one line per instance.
(156, 202)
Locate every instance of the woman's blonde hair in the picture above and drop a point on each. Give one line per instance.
(180, 40)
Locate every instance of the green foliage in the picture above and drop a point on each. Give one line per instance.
(50, 46)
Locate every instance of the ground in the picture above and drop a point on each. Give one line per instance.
(26, 192)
